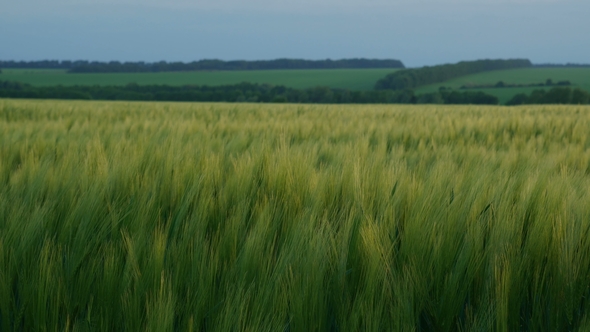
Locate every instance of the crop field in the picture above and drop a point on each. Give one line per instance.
(119, 216)
(579, 77)
(353, 79)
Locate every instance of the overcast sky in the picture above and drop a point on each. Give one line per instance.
(418, 32)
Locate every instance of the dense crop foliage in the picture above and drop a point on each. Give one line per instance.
(219, 217)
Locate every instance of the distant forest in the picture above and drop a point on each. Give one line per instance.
(208, 65)
(42, 64)
(553, 96)
(264, 93)
(502, 85)
(243, 92)
(413, 78)
(567, 65)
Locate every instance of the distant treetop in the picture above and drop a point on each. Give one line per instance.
(42, 64)
(135, 67)
(558, 65)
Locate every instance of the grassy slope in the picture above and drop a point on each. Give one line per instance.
(228, 217)
(579, 77)
(353, 79)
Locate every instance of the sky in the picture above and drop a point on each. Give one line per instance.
(417, 32)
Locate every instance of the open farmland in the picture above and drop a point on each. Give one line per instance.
(245, 217)
(353, 79)
(579, 77)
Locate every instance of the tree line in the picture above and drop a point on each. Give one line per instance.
(265, 93)
(412, 78)
(557, 65)
(501, 85)
(558, 95)
(163, 66)
(42, 64)
(243, 92)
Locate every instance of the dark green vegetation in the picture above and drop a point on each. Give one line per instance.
(225, 217)
(457, 98)
(42, 64)
(353, 79)
(130, 67)
(567, 65)
(247, 92)
(244, 92)
(578, 77)
(163, 66)
(413, 78)
(553, 96)
(502, 85)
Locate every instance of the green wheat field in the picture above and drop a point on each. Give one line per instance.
(245, 217)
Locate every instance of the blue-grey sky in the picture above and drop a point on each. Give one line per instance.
(418, 32)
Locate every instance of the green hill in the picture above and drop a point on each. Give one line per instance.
(579, 77)
(416, 77)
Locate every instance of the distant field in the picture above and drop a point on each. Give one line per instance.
(579, 77)
(353, 79)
